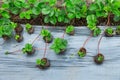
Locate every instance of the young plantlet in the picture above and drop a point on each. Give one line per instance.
(29, 28)
(43, 63)
(18, 28)
(118, 30)
(70, 30)
(99, 58)
(109, 32)
(59, 45)
(82, 52)
(29, 49)
(47, 36)
(18, 38)
(96, 31)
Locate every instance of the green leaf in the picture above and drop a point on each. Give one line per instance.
(5, 14)
(38, 61)
(69, 29)
(53, 20)
(36, 10)
(46, 19)
(71, 15)
(45, 11)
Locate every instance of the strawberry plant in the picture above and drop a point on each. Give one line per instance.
(118, 30)
(43, 63)
(59, 45)
(47, 36)
(99, 58)
(109, 32)
(112, 6)
(6, 28)
(91, 21)
(70, 30)
(96, 31)
(75, 9)
(82, 52)
(29, 28)
(97, 8)
(18, 37)
(29, 49)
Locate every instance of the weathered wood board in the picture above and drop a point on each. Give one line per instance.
(19, 66)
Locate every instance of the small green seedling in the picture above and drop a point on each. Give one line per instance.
(17, 36)
(70, 29)
(47, 36)
(96, 32)
(100, 58)
(45, 33)
(59, 45)
(81, 54)
(28, 48)
(109, 31)
(40, 62)
(28, 26)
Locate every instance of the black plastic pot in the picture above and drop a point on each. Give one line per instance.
(19, 39)
(48, 41)
(47, 65)
(18, 29)
(31, 30)
(96, 58)
(31, 52)
(83, 50)
(5, 37)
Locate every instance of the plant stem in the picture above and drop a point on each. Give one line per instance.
(63, 35)
(35, 39)
(15, 51)
(108, 23)
(45, 50)
(87, 40)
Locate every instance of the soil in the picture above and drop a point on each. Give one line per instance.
(46, 65)
(76, 22)
(31, 30)
(48, 41)
(62, 51)
(96, 58)
(32, 52)
(20, 39)
(5, 37)
(18, 29)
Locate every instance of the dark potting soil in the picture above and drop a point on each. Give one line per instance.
(76, 22)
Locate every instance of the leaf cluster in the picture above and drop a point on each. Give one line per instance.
(59, 44)
(70, 29)
(28, 48)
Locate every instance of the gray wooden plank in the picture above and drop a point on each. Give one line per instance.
(20, 66)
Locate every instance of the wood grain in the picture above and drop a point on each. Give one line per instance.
(19, 66)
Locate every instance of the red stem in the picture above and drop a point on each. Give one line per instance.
(108, 23)
(45, 49)
(63, 35)
(35, 39)
(15, 51)
(87, 40)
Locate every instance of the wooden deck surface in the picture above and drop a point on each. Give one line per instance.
(19, 66)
